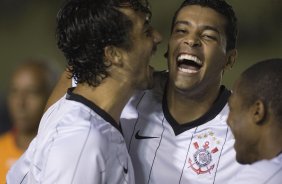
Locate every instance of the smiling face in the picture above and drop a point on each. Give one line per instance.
(144, 41)
(197, 52)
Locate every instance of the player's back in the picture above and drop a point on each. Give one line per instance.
(75, 144)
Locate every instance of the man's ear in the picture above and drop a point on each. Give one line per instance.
(259, 112)
(113, 55)
(231, 58)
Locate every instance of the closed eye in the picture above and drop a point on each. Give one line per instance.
(180, 31)
(209, 37)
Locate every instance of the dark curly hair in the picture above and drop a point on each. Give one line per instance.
(86, 27)
(221, 7)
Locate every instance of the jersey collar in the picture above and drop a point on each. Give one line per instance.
(78, 98)
(211, 114)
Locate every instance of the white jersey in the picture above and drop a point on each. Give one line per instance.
(77, 142)
(162, 151)
(261, 172)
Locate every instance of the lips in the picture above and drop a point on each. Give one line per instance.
(188, 63)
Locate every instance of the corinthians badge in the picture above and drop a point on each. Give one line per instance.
(202, 158)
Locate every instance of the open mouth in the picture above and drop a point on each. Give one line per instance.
(188, 63)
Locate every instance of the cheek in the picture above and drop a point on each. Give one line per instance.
(241, 132)
(36, 103)
(215, 54)
(173, 45)
(171, 61)
(15, 104)
(233, 123)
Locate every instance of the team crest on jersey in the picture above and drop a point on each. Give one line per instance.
(202, 160)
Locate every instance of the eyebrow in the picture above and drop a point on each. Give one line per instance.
(203, 27)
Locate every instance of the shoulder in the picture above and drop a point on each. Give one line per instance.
(72, 129)
(260, 172)
(246, 176)
(147, 97)
(73, 143)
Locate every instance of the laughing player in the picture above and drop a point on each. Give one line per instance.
(177, 132)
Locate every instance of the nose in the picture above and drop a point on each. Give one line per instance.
(157, 37)
(192, 41)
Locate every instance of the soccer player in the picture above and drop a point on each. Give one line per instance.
(255, 119)
(177, 132)
(108, 44)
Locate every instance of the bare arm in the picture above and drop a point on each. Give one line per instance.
(60, 89)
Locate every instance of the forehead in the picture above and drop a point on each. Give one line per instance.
(28, 75)
(137, 17)
(205, 16)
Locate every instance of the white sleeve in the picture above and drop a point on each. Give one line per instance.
(76, 157)
(260, 172)
(246, 176)
(20, 169)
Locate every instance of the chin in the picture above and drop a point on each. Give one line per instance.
(242, 161)
(242, 158)
(187, 88)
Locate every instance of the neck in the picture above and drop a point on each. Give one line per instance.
(186, 106)
(110, 95)
(271, 142)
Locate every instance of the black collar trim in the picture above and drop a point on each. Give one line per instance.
(78, 98)
(211, 114)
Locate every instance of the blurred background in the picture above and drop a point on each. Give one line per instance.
(27, 31)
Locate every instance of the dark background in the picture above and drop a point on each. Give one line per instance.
(27, 30)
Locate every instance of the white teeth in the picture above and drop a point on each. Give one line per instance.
(185, 70)
(189, 57)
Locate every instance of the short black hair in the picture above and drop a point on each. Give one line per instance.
(263, 81)
(224, 9)
(86, 27)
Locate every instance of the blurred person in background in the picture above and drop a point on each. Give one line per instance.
(29, 88)
(255, 119)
